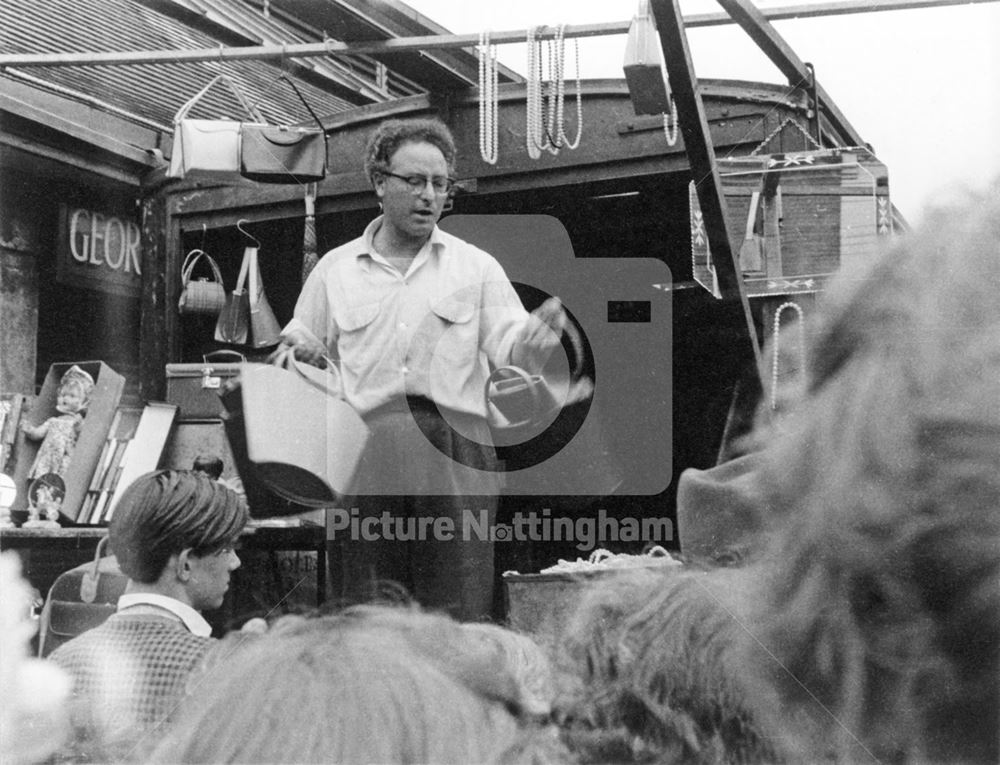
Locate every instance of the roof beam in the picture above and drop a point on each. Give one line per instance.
(441, 42)
(763, 33)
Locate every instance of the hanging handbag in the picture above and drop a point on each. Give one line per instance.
(299, 437)
(203, 295)
(522, 405)
(208, 149)
(284, 153)
(645, 71)
(264, 328)
(233, 324)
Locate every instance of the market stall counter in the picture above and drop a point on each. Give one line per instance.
(48, 552)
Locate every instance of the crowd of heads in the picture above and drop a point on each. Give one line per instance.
(367, 684)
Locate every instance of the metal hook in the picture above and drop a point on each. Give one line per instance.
(247, 234)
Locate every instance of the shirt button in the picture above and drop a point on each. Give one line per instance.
(402, 325)
(405, 370)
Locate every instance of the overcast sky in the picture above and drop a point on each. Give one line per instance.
(922, 86)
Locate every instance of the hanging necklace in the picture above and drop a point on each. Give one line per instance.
(670, 123)
(557, 127)
(488, 99)
(796, 308)
(545, 107)
(534, 139)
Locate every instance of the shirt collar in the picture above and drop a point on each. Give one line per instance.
(364, 255)
(194, 621)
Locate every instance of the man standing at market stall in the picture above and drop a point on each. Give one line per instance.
(414, 318)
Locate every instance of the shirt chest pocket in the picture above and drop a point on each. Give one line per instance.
(453, 311)
(358, 342)
(456, 334)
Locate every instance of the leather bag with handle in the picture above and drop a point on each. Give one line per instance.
(284, 153)
(522, 405)
(533, 417)
(264, 328)
(234, 321)
(208, 149)
(203, 295)
(80, 599)
(301, 439)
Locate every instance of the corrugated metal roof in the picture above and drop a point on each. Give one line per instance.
(156, 91)
(248, 20)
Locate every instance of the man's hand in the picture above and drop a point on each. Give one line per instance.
(305, 347)
(541, 335)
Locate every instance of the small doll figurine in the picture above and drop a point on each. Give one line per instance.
(45, 496)
(60, 432)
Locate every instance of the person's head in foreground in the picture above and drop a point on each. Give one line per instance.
(370, 684)
(173, 533)
(868, 629)
(881, 600)
(34, 709)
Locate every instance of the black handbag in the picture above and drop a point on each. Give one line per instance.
(283, 153)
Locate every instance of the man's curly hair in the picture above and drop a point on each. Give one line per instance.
(392, 134)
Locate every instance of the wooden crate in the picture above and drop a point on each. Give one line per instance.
(815, 212)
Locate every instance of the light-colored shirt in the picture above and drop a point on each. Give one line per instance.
(432, 331)
(194, 621)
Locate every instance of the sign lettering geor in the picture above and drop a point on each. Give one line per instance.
(99, 250)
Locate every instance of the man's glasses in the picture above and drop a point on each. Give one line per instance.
(418, 183)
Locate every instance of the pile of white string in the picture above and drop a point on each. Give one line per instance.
(601, 560)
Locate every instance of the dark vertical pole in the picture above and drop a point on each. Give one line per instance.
(701, 158)
(153, 330)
